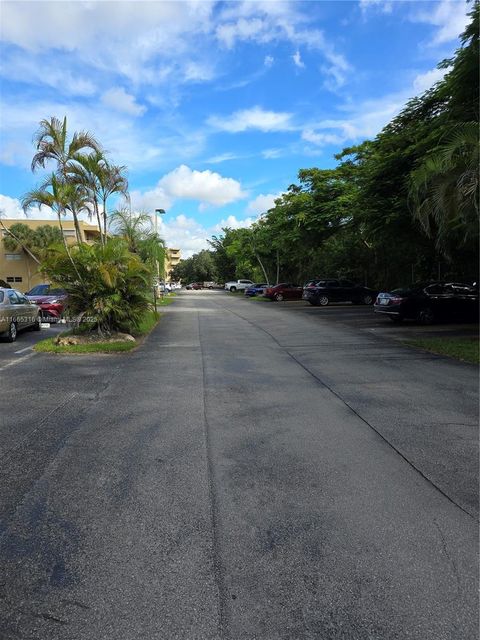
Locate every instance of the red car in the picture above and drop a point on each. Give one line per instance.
(284, 291)
(50, 300)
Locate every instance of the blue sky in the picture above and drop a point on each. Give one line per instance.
(213, 106)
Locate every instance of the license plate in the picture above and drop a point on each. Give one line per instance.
(384, 301)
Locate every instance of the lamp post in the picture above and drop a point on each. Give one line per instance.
(158, 212)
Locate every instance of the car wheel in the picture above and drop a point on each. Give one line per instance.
(233, 289)
(12, 332)
(323, 301)
(367, 299)
(426, 316)
(278, 297)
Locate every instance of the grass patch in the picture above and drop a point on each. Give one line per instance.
(148, 322)
(466, 349)
(260, 299)
(49, 346)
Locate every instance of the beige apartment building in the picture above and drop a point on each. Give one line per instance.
(20, 271)
(172, 258)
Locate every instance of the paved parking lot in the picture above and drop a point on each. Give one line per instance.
(252, 471)
(364, 319)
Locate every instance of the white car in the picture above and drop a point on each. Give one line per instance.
(237, 285)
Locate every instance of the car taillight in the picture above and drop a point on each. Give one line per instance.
(395, 300)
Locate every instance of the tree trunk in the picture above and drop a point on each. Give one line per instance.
(78, 231)
(105, 217)
(67, 250)
(99, 222)
(262, 267)
(278, 266)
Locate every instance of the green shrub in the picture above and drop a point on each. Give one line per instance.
(107, 285)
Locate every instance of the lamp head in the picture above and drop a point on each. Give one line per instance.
(159, 211)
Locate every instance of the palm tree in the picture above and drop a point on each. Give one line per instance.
(86, 170)
(444, 188)
(51, 141)
(59, 200)
(75, 198)
(112, 179)
(136, 231)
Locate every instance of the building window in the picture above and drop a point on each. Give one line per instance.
(10, 279)
(13, 256)
(18, 279)
(69, 233)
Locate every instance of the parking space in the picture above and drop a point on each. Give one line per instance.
(364, 319)
(10, 351)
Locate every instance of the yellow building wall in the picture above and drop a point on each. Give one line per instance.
(18, 269)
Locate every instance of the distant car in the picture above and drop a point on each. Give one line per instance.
(237, 285)
(427, 302)
(194, 285)
(284, 291)
(16, 313)
(324, 291)
(50, 300)
(256, 289)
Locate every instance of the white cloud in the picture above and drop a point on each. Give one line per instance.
(449, 16)
(209, 187)
(268, 61)
(222, 157)
(270, 154)
(320, 139)
(254, 118)
(384, 6)
(426, 80)
(233, 223)
(185, 234)
(117, 98)
(297, 59)
(365, 120)
(262, 203)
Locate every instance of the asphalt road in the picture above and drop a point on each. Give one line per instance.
(252, 471)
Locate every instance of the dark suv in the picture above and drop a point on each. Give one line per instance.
(324, 291)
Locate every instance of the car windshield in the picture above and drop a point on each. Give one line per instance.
(39, 290)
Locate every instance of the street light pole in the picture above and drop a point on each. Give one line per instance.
(158, 212)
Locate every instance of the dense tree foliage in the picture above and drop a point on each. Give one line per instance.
(199, 268)
(398, 208)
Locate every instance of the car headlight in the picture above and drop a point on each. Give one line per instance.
(53, 302)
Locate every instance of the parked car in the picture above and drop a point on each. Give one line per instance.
(427, 302)
(16, 313)
(284, 291)
(50, 300)
(324, 291)
(256, 289)
(194, 285)
(237, 285)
